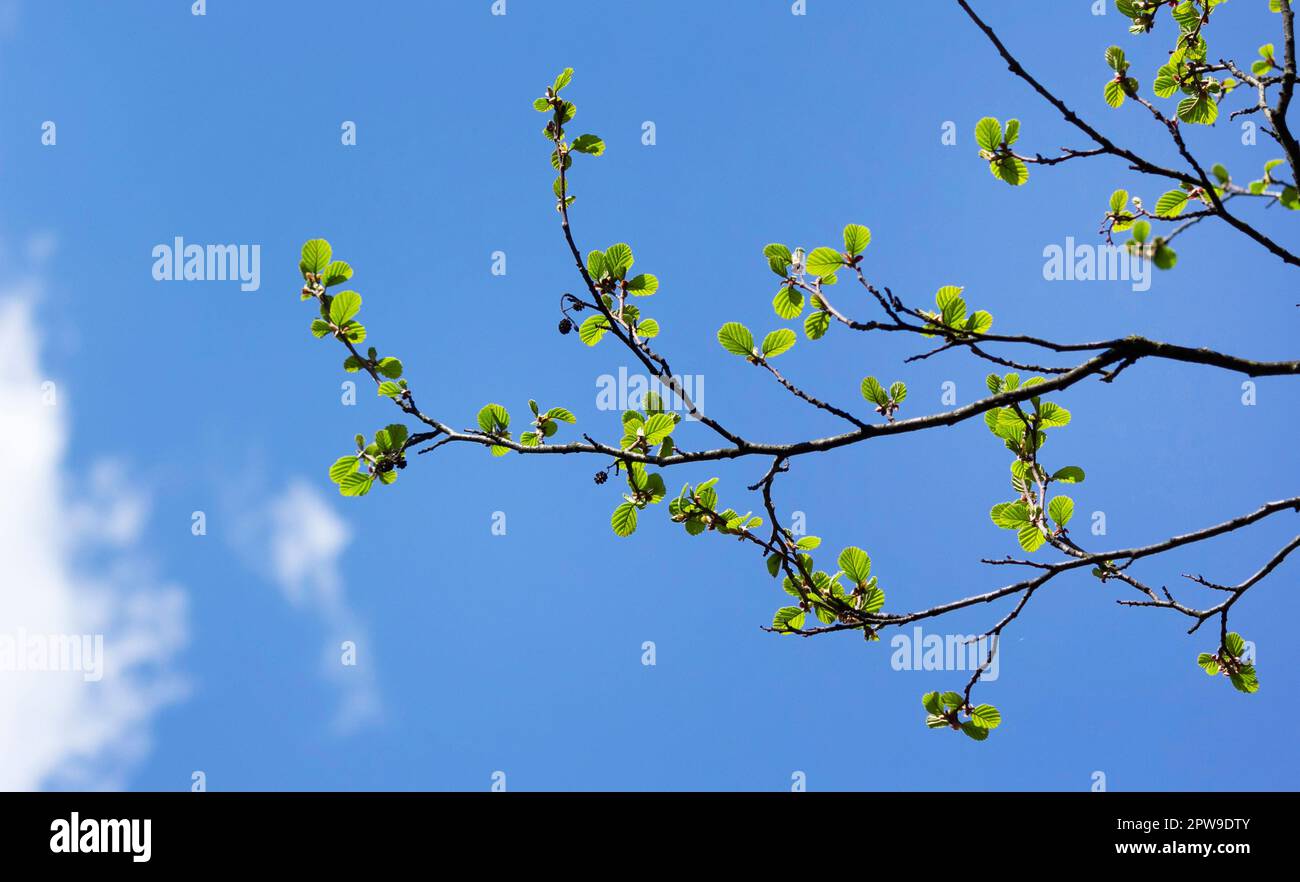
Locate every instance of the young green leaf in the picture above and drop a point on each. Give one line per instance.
(344, 306)
(856, 239)
(736, 339)
(778, 342)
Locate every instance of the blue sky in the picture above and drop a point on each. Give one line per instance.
(522, 653)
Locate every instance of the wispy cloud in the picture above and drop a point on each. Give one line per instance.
(299, 541)
(73, 565)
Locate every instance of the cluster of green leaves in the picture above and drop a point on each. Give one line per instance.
(647, 431)
(696, 509)
(494, 420)
(1120, 85)
(562, 112)
(1024, 434)
(1140, 242)
(1183, 72)
(995, 147)
(608, 270)
(823, 265)
(944, 709)
(826, 595)
(887, 401)
(545, 424)
(1266, 63)
(736, 339)
(951, 319)
(1229, 660)
(377, 460)
(338, 315)
(1288, 198)
(356, 473)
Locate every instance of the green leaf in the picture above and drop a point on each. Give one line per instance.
(1052, 416)
(389, 367)
(975, 731)
(1209, 663)
(1061, 509)
(808, 543)
(659, 427)
(778, 252)
(856, 564)
(337, 273)
(898, 392)
(589, 144)
(979, 322)
(618, 259)
(1246, 680)
(344, 306)
(343, 467)
(1010, 169)
(951, 305)
(788, 302)
(986, 715)
(643, 285)
(952, 700)
(988, 133)
(319, 328)
(563, 79)
(736, 339)
(817, 324)
(1012, 134)
(1118, 200)
(856, 239)
(648, 328)
(1068, 475)
(390, 390)
(316, 255)
(354, 332)
(493, 419)
(559, 413)
(592, 329)
(788, 618)
(624, 520)
(1166, 84)
(1200, 110)
(931, 702)
(1115, 59)
(874, 392)
(1171, 203)
(596, 264)
(1010, 515)
(1030, 537)
(356, 484)
(824, 262)
(1235, 645)
(778, 342)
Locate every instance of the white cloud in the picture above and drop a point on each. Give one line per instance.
(298, 541)
(72, 566)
